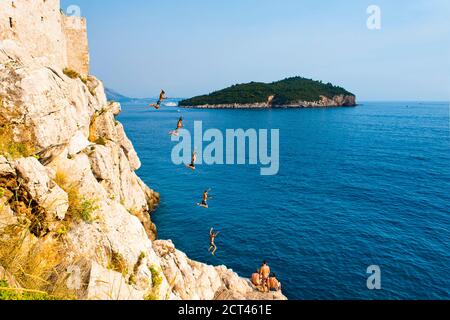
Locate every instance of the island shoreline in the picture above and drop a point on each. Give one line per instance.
(324, 102)
(244, 107)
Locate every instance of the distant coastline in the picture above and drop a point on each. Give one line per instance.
(290, 93)
(115, 96)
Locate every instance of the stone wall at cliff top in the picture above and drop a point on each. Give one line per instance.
(40, 28)
(67, 177)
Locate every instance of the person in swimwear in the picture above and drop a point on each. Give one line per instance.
(179, 126)
(256, 278)
(193, 161)
(204, 202)
(265, 275)
(212, 237)
(274, 284)
(162, 97)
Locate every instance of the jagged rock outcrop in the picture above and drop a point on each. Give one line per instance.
(9, 278)
(78, 188)
(35, 178)
(105, 284)
(7, 216)
(5, 167)
(7, 171)
(193, 280)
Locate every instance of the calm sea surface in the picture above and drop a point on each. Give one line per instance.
(357, 187)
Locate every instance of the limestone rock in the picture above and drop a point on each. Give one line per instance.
(132, 195)
(115, 108)
(6, 169)
(7, 217)
(103, 127)
(152, 197)
(149, 226)
(9, 278)
(197, 281)
(115, 229)
(98, 95)
(48, 106)
(113, 171)
(128, 148)
(105, 167)
(226, 294)
(105, 284)
(46, 193)
(77, 144)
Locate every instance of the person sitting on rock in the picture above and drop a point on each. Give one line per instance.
(212, 237)
(265, 274)
(274, 284)
(256, 278)
(162, 97)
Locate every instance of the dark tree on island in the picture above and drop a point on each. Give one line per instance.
(284, 92)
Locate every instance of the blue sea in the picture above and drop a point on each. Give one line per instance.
(357, 187)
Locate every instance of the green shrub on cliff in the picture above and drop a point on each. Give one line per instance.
(72, 74)
(80, 208)
(285, 91)
(101, 141)
(157, 281)
(84, 80)
(9, 147)
(118, 263)
(7, 293)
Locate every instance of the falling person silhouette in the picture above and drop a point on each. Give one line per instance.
(162, 97)
(212, 238)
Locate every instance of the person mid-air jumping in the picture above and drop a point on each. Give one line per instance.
(193, 161)
(162, 97)
(179, 126)
(212, 238)
(204, 202)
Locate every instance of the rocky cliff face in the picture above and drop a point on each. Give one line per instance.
(71, 200)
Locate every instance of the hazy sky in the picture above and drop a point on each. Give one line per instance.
(191, 47)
